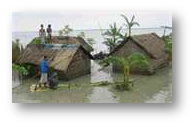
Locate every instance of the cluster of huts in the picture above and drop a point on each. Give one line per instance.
(71, 56)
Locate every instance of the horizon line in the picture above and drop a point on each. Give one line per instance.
(100, 29)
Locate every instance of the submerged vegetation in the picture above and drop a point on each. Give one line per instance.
(134, 60)
(20, 69)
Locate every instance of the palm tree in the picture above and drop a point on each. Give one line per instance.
(130, 24)
(113, 36)
(134, 60)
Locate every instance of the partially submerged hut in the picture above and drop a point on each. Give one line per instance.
(68, 60)
(150, 45)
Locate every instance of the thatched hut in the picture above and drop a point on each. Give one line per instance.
(150, 45)
(70, 60)
(68, 40)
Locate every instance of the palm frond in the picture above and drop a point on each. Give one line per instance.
(126, 19)
(138, 59)
(132, 19)
(135, 23)
(136, 56)
(113, 60)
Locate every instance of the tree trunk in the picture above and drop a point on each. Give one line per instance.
(126, 74)
(126, 77)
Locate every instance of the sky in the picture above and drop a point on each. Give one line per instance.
(30, 21)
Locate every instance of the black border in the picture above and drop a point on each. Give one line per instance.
(177, 111)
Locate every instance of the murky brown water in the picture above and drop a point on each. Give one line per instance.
(148, 89)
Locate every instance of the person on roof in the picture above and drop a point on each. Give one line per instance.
(49, 32)
(42, 34)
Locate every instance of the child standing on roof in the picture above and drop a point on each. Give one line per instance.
(42, 34)
(49, 32)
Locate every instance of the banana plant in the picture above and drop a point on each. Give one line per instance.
(134, 60)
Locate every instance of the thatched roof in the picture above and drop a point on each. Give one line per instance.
(59, 56)
(71, 40)
(151, 43)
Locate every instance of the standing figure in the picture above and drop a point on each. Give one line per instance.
(44, 71)
(42, 34)
(49, 32)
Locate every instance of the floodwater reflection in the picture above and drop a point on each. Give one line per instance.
(101, 95)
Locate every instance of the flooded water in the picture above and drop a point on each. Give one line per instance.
(147, 89)
(101, 95)
(15, 79)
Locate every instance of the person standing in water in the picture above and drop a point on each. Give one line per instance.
(44, 71)
(49, 32)
(42, 34)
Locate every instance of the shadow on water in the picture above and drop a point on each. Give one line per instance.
(147, 89)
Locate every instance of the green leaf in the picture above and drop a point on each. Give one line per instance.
(112, 36)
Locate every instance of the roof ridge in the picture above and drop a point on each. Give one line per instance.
(133, 38)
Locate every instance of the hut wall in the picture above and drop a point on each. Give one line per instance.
(79, 66)
(126, 50)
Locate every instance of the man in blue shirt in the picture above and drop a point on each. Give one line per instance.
(44, 71)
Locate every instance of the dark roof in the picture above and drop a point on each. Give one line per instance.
(150, 43)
